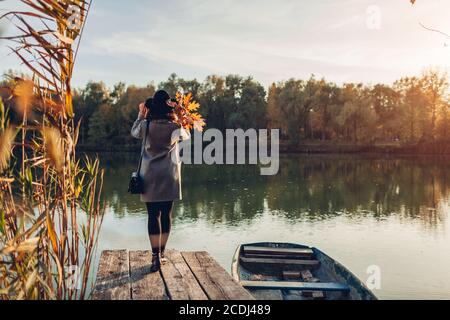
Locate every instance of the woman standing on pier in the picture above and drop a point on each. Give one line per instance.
(161, 168)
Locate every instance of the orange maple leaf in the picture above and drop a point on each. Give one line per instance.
(187, 112)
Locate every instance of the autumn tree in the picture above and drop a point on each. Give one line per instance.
(435, 85)
(386, 103)
(357, 115)
(326, 98)
(291, 105)
(413, 100)
(126, 110)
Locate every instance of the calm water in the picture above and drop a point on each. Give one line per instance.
(363, 211)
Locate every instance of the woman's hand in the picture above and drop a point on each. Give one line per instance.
(143, 111)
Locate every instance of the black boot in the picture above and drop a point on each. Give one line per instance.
(156, 263)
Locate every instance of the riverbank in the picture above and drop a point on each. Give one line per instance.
(315, 148)
(394, 148)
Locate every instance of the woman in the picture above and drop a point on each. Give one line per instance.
(161, 168)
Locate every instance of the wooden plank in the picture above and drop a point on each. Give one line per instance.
(275, 256)
(305, 253)
(113, 277)
(301, 286)
(268, 295)
(215, 281)
(292, 275)
(265, 294)
(308, 277)
(145, 285)
(281, 262)
(180, 282)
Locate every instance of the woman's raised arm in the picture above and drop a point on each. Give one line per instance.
(138, 129)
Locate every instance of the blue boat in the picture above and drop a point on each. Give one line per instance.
(285, 271)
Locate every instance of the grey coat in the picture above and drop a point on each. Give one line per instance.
(161, 165)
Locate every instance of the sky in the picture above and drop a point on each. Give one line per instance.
(370, 41)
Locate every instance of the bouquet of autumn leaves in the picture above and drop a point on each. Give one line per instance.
(186, 111)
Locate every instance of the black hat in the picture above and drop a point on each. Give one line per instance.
(149, 103)
(160, 99)
(160, 109)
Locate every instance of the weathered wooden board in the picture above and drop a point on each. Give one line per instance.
(288, 263)
(292, 275)
(113, 277)
(275, 256)
(145, 285)
(180, 282)
(305, 253)
(124, 275)
(265, 294)
(285, 285)
(214, 280)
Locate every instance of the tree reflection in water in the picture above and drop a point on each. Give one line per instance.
(307, 188)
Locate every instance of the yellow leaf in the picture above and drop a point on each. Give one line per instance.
(193, 106)
(69, 105)
(6, 146)
(52, 234)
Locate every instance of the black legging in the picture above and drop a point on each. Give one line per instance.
(159, 211)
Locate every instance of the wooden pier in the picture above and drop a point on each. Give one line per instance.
(125, 275)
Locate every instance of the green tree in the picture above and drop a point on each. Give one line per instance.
(86, 102)
(118, 92)
(171, 85)
(290, 104)
(102, 126)
(126, 112)
(251, 106)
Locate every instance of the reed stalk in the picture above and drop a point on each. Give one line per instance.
(50, 210)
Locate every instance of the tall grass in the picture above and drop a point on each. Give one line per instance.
(50, 210)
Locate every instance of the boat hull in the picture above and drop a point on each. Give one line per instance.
(276, 271)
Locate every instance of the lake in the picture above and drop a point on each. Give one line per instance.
(364, 211)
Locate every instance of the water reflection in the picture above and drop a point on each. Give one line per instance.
(309, 188)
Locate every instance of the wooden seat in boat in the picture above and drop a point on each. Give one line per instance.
(281, 263)
(301, 286)
(286, 253)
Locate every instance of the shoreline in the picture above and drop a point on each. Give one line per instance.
(412, 149)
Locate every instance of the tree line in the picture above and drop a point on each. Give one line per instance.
(412, 110)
